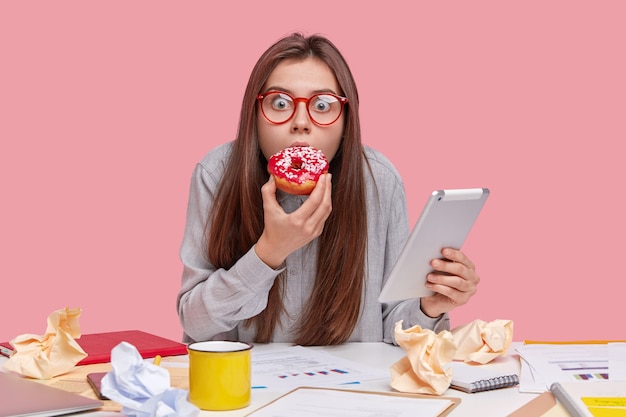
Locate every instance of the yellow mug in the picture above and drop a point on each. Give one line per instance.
(220, 374)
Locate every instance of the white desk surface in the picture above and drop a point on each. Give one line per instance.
(495, 403)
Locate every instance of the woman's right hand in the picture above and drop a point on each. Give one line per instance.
(284, 233)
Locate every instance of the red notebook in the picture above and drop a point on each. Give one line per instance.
(98, 345)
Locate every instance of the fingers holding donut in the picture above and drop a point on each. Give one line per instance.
(283, 232)
(310, 217)
(303, 170)
(319, 204)
(268, 192)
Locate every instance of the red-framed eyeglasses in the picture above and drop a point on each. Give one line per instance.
(279, 107)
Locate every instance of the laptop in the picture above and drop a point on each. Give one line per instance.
(25, 397)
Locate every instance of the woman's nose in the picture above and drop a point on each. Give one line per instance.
(301, 121)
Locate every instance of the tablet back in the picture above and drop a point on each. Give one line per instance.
(24, 397)
(446, 220)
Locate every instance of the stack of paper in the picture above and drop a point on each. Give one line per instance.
(543, 364)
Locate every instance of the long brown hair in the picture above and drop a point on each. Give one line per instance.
(236, 221)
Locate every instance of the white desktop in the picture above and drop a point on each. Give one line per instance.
(495, 403)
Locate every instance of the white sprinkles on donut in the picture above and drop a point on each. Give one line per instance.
(299, 163)
(297, 169)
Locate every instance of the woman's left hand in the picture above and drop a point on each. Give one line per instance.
(454, 282)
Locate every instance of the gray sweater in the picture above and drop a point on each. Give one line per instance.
(212, 302)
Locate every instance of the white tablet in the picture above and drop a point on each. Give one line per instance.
(445, 222)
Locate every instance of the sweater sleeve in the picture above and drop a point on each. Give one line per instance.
(212, 301)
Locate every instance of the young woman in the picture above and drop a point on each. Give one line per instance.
(261, 265)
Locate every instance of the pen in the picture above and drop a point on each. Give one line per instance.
(157, 360)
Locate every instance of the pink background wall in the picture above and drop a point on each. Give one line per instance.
(105, 107)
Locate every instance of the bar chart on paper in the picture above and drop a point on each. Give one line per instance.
(322, 372)
(543, 364)
(591, 377)
(295, 366)
(587, 370)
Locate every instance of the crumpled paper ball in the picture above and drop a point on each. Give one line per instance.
(142, 388)
(423, 369)
(482, 342)
(53, 353)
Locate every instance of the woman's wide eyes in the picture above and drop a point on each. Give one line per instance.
(281, 103)
(323, 104)
(320, 104)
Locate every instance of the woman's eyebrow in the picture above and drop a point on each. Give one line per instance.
(286, 90)
(325, 90)
(277, 88)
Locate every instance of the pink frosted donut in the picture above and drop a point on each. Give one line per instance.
(297, 169)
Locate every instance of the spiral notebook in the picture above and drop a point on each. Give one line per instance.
(500, 373)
